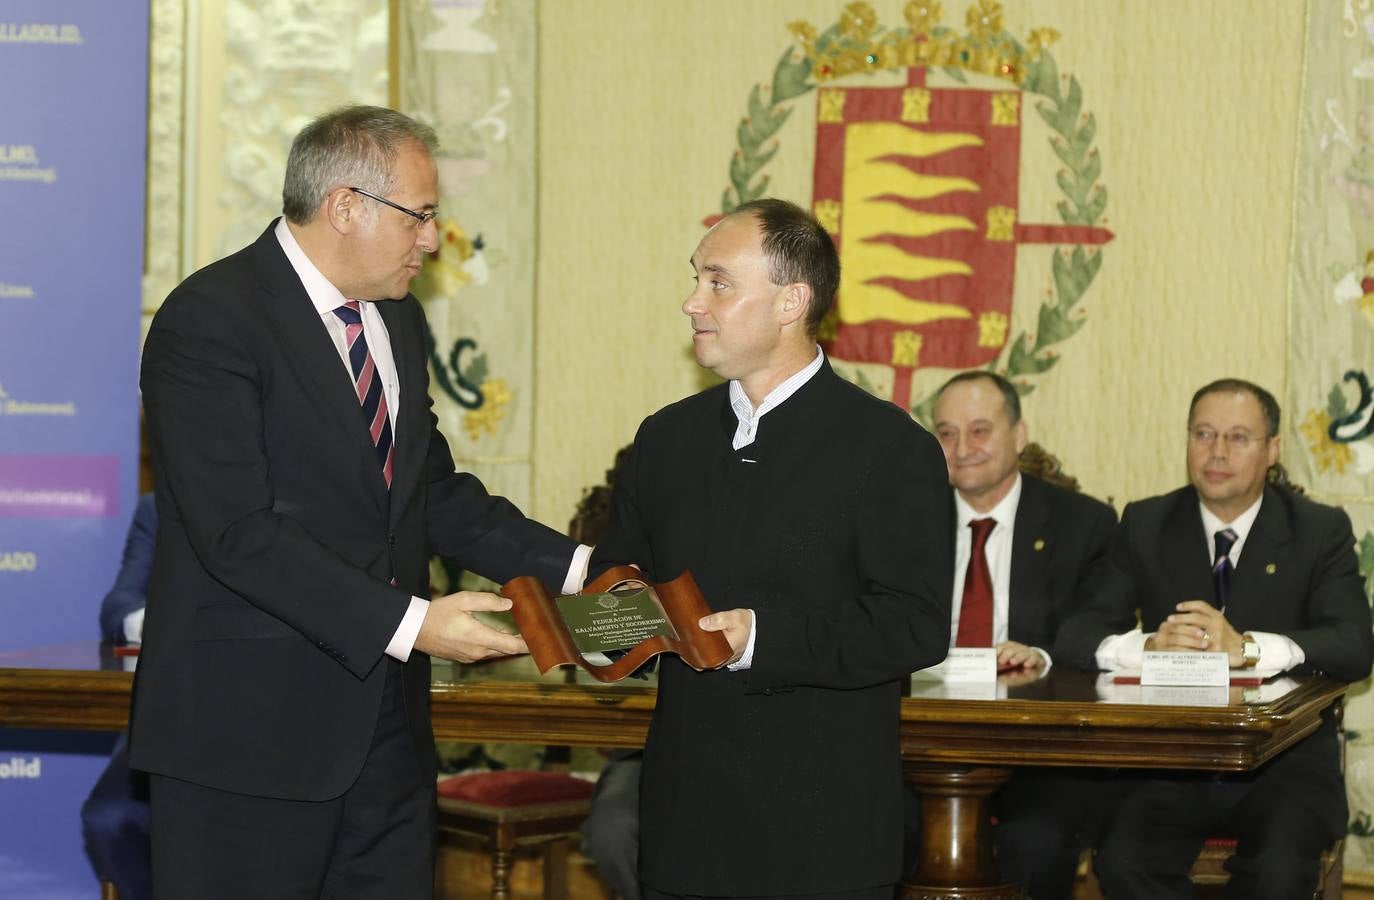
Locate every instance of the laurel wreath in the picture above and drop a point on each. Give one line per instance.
(1084, 200)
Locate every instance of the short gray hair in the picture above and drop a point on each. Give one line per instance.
(353, 146)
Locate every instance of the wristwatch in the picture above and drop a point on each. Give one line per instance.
(1249, 652)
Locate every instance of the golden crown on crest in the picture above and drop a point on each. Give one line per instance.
(856, 43)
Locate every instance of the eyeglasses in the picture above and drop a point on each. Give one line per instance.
(1237, 440)
(423, 218)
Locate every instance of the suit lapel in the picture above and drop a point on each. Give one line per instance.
(1032, 548)
(412, 418)
(1260, 558)
(1185, 555)
(310, 352)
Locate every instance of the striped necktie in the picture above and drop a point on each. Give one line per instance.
(369, 386)
(1221, 565)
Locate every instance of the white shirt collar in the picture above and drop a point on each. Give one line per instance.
(1242, 526)
(323, 294)
(1004, 512)
(744, 409)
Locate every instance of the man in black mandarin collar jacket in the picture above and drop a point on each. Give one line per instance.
(282, 697)
(814, 517)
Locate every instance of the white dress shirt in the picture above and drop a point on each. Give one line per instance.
(746, 430)
(997, 550)
(326, 298)
(1278, 653)
(133, 626)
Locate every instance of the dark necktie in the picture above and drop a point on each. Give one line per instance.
(1221, 566)
(975, 609)
(369, 385)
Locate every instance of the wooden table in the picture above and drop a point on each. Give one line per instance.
(956, 750)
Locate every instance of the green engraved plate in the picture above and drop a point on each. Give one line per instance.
(614, 621)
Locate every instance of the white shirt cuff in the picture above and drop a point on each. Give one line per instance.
(1122, 651)
(1278, 653)
(747, 658)
(403, 641)
(577, 571)
(133, 626)
(1049, 663)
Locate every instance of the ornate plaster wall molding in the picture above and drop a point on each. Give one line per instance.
(166, 118)
(286, 61)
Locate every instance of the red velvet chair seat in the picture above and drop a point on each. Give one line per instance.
(515, 809)
(515, 787)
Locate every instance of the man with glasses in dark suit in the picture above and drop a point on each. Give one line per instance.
(281, 703)
(1235, 565)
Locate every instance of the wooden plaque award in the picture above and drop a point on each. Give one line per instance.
(619, 611)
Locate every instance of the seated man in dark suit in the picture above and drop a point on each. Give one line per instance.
(114, 818)
(1268, 577)
(121, 612)
(1025, 551)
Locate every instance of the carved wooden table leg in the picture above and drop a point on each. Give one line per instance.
(956, 861)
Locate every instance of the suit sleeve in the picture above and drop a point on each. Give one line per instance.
(1107, 600)
(482, 533)
(130, 590)
(900, 620)
(1101, 528)
(202, 391)
(1337, 639)
(486, 534)
(625, 540)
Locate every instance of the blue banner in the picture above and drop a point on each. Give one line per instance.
(73, 87)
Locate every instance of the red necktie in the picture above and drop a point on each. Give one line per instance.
(975, 609)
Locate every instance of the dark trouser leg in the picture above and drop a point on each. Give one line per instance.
(114, 823)
(1159, 827)
(911, 828)
(386, 837)
(218, 845)
(376, 841)
(1046, 818)
(610, 835)
(1280, 840)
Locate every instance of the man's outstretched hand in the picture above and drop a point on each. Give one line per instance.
(451, 631)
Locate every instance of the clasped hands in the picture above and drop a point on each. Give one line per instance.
(1198, 625)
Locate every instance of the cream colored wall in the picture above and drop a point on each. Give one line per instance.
(1196, 105)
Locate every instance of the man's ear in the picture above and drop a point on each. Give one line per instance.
(341, 209)
(796, 300)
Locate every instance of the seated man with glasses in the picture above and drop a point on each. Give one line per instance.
(1270, 578)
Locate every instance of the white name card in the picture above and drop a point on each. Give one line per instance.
(967, 690)
(970, 664)
(1158, 667)
(1184, 695)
